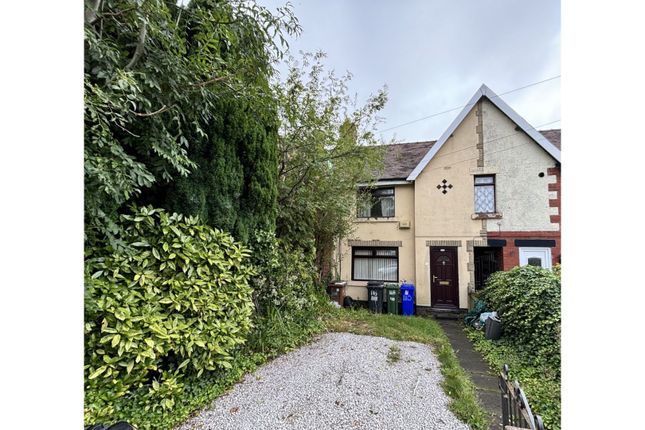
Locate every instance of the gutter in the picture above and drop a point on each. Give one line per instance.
(385, 182)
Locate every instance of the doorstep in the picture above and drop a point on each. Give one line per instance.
(446, 313)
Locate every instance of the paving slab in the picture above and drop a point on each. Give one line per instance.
(480, 373)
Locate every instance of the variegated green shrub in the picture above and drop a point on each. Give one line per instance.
(174, 300)
(527, 299)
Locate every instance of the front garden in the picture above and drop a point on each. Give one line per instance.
(182, 311)
(527, 300)
(456, 384)
(162, 343)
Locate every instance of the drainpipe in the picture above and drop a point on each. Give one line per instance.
(340, 259)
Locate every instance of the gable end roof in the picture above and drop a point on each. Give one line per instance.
(484, 91)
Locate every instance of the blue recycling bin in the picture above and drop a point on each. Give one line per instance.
(407, 299)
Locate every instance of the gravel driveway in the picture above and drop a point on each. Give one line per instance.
(340, 381)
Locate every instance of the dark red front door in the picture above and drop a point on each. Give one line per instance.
(444, 284)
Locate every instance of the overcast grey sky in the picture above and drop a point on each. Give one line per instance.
(433, 55)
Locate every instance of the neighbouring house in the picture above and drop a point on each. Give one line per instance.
(446, 214)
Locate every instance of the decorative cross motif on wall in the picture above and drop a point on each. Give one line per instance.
(444, 186)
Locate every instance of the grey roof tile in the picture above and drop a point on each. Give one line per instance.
(401, 158)
(553, 136)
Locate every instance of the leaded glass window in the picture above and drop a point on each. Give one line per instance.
(485, 194)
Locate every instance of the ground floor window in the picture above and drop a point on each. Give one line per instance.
(375, 264)
(540, 257)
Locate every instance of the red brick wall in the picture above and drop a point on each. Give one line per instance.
(511, 253)
(555, 187)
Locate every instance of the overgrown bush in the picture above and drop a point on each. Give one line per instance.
(285, 276)
(527, 300)
(278, 332)
(287, 294)
(175, 300)
(197, 392)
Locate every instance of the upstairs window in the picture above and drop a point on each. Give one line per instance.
(379, 203)
(485, 194)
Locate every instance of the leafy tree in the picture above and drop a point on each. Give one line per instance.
(235, 185)
(325, 148)
(156, 75)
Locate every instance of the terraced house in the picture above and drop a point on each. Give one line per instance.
(445, 214)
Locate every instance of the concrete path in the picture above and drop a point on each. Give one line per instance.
(472, 361)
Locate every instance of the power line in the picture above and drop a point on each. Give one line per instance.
(491, 152)
(468, 104)
(496, 139)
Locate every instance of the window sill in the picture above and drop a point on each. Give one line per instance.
(364, 283)
(494, 215)
(388, 219)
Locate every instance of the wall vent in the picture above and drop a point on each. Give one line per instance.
(404, 223)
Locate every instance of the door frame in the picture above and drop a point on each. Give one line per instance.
(478, 253)
(455, 251)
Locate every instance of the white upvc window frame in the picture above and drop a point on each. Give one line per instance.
(387, 257)
(544, 253)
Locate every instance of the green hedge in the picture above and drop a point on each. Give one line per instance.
(174, 301)
(527, 300)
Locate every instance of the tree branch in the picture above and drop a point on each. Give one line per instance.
(293, 188)
(352, 152)
(138, 52)
(281, 169)
(91, 12)
(117, 13)
(143, 114)
(125, 129)
(210, 81)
